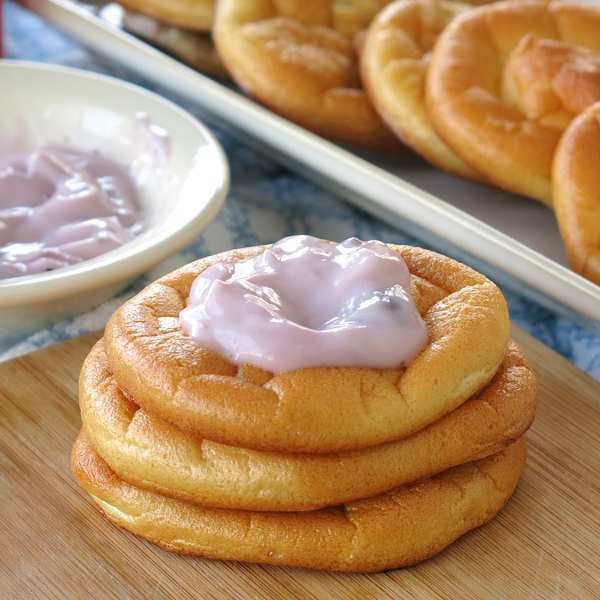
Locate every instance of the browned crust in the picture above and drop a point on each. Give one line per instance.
(194, 48)
(319, 410)
(576, 187)
(147, 452)
(351, 18)
(464, 89)
(290, 57)
(394, 62)
(189, 14)
(395, 529)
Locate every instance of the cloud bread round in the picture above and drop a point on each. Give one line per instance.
(289, 55)
(394, 62)
(192, 47)
(351, 17)
(506, 79)
(395, 529)
(148, 452)
(576, 188)
(317, 410)
(189, 14)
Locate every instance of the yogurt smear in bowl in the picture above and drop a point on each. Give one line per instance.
(60, 206)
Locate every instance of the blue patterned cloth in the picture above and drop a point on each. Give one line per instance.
(266, 202)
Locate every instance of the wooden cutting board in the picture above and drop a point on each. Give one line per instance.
(54, 544)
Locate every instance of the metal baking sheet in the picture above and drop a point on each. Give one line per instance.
(516, 239)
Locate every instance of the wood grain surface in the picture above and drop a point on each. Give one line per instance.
(54, 544)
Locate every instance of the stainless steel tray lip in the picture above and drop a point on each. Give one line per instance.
(367, 185)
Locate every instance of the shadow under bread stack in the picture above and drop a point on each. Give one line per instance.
(352, 407)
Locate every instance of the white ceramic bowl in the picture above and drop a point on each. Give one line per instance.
(55, 104)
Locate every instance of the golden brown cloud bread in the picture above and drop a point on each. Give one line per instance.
(394, 62)
(189, 14)
(317, 410)
(350, 17)
(150, 453)
(395, 529)
(289, 56)
(194, 48)
(545, 78)
(576, 188)
(497, 64)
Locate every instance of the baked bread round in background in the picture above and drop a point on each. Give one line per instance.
(351, 17)
(189, 14)
(506, 79)
(150, 453)
(576, 189)
(394, 61)
(395, 529)
(316, 410)
(194, 48)
(289, 55)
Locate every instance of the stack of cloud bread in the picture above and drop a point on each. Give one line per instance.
(349, 469)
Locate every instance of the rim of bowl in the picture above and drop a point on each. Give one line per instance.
(123, 262)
